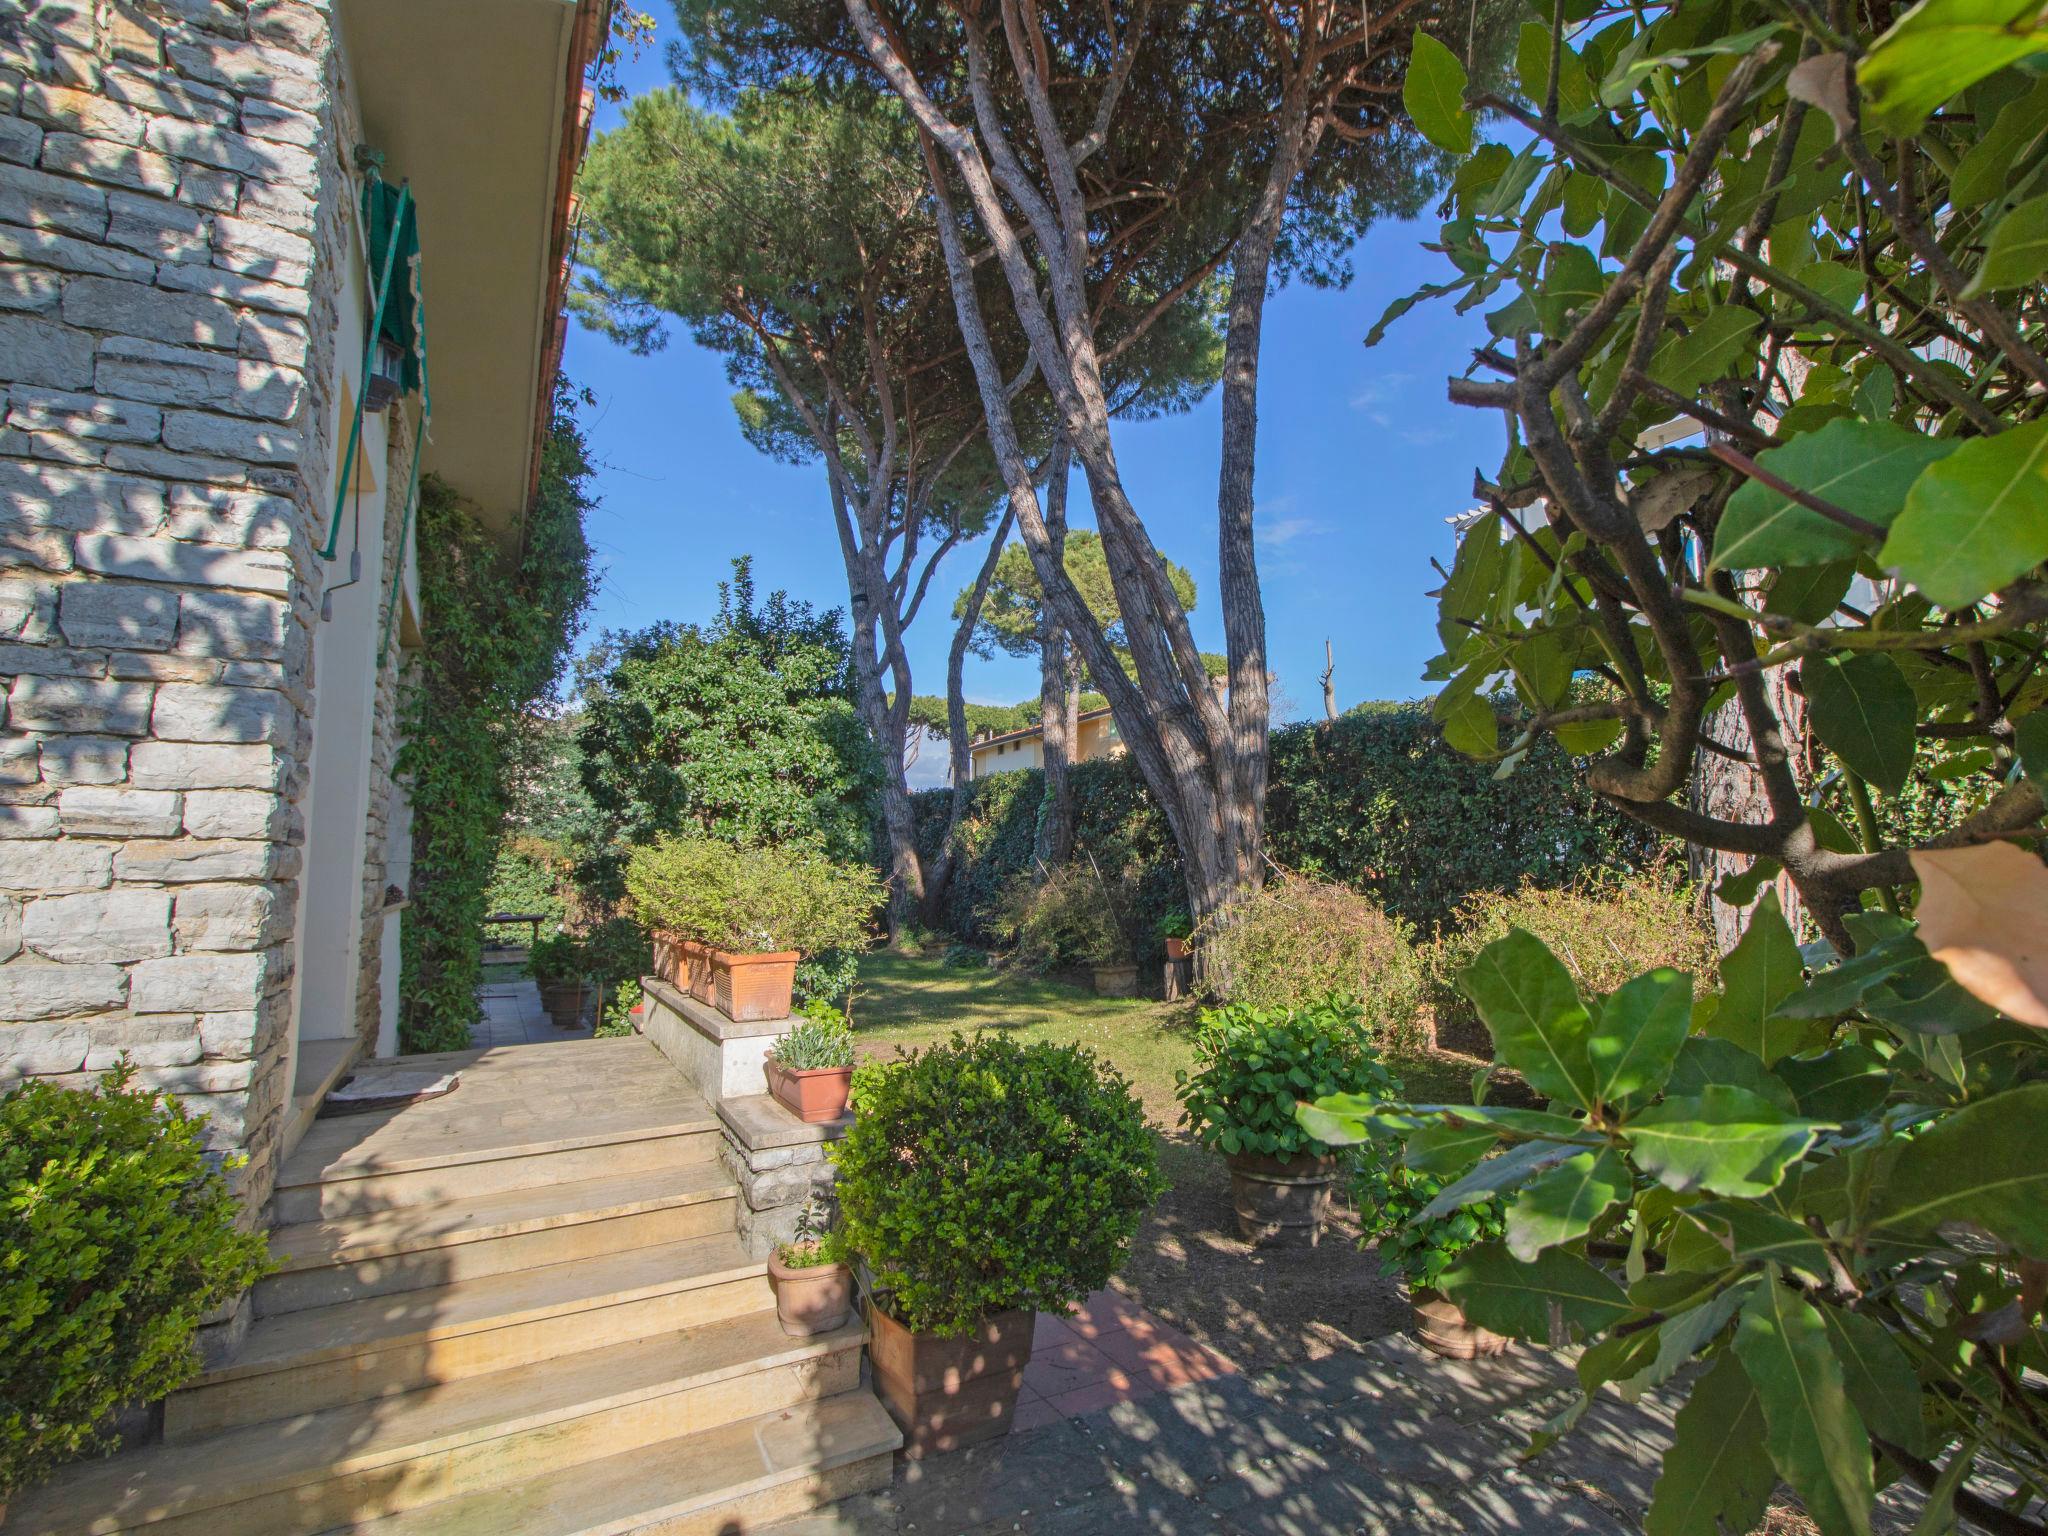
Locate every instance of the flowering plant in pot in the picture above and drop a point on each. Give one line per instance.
(558, 964)
(1252, 1065)
(982, 1182)
(812, 1281)
(743, 916)
(810, 1069)
(1391, 1196)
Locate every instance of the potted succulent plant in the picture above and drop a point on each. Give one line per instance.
(736, 920)
(1176, 928)
(813, 1284)
(983, 1182)
(810, 1069)
(1390, 1196)
(556, 963)
(1252, 1066)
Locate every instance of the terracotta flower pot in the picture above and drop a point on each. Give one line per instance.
(1176, 949)
(813, 1094)
(747, 987)
(672, 960)
(1281, 1202)
(812, 1298)
(564, 1002)
(1442, 1329)
(693, 969)
(1116, 980)
(946, 1393)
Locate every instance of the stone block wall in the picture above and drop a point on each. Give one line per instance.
(175, 203)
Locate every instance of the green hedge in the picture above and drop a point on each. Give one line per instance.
(1375, 800)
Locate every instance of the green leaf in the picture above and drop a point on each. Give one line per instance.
(1685, 1333)
(1740, 890)
(1434, 94)
(1448, 1150)
(1717, 1475)
(1815, 1438)
(1639, 1032)
(2018, 251)
(1864, 467)
(1707, 351)
(1841, 987)
(1585, 737)
(1469, 723)
(1563, 1203)
(1758, 974)
(1538, 1023)
(1500, 1292)
(1532, 67)
(1585, 199)
(1986, 1163)
(1976, 519)
(1863, 709)
(1843, 1084)
(1704, 1062)
(1878, 1377)
(1727, 1140)
(1753, 1234)
(1985, 167)
(1810, 593)
(1512, 1168)
(1937, 50)
(2030, 737)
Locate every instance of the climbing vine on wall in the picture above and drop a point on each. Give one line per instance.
(498, 628)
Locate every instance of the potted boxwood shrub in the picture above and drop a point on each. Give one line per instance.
(810, 1069)
(741, 917)
(1176, 928)
(1252, 1066)
(983, 1182)
(1390, 1196)
(557, 964)
(813, 1283)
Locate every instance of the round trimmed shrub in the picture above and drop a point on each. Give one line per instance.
(117, 1236)
(984, 1176)
(1298, 941)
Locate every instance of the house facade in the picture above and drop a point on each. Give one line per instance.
(1007, 751)
(263, 265)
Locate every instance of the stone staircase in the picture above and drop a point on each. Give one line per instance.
(519, 1310)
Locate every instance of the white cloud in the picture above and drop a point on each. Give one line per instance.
(1286, 530)
(1372, 397)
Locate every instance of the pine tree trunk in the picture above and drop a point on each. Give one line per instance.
(939, 876)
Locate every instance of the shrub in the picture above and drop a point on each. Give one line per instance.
(557, 960)
(118, 1238)
(751, 899)
(829, 977)
(815, 1043)
(1062, 916)
(1253, 1065)
(1176, 924)
(984, 1175)
(1299, 940)
(616, 1017)
(1391, 1196)
(1605, 931)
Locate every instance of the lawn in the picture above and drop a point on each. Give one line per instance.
(1256, 1307)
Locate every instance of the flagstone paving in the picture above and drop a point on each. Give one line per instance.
(513, 1016)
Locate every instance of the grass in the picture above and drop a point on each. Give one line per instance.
(1256, 1307)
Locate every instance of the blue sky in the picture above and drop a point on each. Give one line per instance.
(1360, 460)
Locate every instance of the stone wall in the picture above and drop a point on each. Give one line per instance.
(175, 203)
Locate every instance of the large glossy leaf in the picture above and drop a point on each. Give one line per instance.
(1976, 519)
(1843, 1084)
(1878, 1377)
(1706, 351)
(1863, 709)
(1754, 1234)
(2018, 252)
(1559, 1206)
(1641, 1026)
(1864, 467)
(1434, 94)
(1937, 49)
(1759, 973)
(1448, 1151)
(1510, 1170)
(1815, 1438)
(1500, 1292)
(1726, 1140)
(1985, 1164)
(1538, 1021)
(1985, 167)
(1983, 913)
(1703, 1061)
(1841, 987)
(1717, 1476)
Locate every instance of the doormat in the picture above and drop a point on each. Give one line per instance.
(388, 1088)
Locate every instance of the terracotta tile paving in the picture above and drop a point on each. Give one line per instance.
(1111, 1351)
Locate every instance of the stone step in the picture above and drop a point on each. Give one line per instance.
(415, 1247)
(363, 1189)
(381, 1346)
(721, 1482)
(481, 1435)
